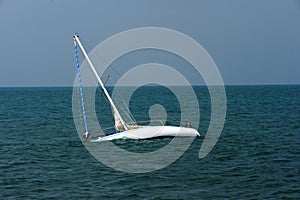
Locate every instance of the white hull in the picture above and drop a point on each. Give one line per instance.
(148, 132)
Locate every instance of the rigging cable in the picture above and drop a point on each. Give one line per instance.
(109, 78)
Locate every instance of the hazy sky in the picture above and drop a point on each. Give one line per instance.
(251, 41)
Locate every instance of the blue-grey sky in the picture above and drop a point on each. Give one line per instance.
(251, 41)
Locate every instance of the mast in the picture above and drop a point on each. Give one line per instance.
(119, 122)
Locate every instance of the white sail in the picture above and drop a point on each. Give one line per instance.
(119, 122)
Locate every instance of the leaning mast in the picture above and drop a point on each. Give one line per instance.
(119, 122)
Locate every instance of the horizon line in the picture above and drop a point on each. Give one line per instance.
(243, 84)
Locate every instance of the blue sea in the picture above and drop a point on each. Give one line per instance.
(256, 157)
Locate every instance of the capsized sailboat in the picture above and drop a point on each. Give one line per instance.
(125, 130)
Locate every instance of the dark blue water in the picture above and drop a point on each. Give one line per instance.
(257, 155)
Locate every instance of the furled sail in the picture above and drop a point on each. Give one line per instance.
(119, 126)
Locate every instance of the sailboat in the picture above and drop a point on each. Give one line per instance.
(123, 129)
